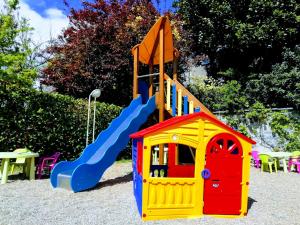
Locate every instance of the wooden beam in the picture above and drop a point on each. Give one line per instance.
(161, 87)
(175, 63)
(135, 71)
(168, 94)
(161, 74)
(179, 103)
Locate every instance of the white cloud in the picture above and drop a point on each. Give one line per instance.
(1, 5)
(46, 27)
(55, 13)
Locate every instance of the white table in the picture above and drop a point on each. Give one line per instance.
(6, 156)
(280, 156)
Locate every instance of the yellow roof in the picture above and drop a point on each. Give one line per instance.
(149, 47)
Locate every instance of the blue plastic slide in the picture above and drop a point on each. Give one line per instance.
(86, 171)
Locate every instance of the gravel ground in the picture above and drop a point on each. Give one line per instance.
(274, 199)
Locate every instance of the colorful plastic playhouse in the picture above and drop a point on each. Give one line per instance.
(189, 165)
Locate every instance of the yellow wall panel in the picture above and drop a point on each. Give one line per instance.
(165, 198)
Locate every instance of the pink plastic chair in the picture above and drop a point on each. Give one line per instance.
(256, 160)
(294, 161)
(47, 164)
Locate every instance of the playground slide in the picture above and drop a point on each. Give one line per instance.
(86, 171)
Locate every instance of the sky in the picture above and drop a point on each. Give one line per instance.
(49, 17)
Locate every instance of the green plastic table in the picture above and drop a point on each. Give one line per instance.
(6, 156)
(280, 156)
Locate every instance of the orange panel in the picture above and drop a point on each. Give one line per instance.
(149, 47)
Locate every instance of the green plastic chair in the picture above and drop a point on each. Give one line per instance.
(20, 163)
(267, 162)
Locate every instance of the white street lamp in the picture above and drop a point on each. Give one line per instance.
(96, 94)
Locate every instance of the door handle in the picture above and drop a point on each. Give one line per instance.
(205, 174)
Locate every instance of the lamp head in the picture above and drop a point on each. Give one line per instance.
(96, 93)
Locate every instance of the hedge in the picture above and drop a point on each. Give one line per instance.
(48, 122)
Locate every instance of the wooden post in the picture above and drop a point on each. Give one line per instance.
(169, 94)
(175, 62)
(179, 103)
(161, 74)
(151, 79)
(161, 87)
(135, 71)
(191, 108)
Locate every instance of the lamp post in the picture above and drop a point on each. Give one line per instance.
(96, 94)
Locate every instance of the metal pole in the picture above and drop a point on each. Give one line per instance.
(148, 75)
(94, 119)
(88, 122)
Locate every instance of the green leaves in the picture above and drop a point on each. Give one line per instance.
(248, 36)
(215, 95)
(15, 68)
(46, 123)
(280, 87)
(287, 127)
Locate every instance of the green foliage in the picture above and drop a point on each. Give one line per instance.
(287, 128)
(46, 122)
(237, 123)
(219, 96)
(231, 97)
(240, 37)
(15, 66)
(206, 89)
(258, 113)
(280, 87)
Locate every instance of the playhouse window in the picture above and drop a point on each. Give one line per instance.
(155, 154)
(185, 155)
(157, 170)
(181, 161)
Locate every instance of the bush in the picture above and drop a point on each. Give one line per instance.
(47, 122)
(217, 95)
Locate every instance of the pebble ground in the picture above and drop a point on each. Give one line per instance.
(274, 200)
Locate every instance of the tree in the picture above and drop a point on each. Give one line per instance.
(94, 51)
(15, 66)
(280, 87)
(241, 37)
(225, 96)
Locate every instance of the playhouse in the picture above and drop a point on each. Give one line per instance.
(207, 169)
(192, 164)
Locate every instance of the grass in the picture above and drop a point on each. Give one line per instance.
(123, 161)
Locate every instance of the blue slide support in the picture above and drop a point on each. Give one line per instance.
(86, 171)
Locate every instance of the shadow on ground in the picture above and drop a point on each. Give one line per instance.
(111, 182)
(250, 202)
(15, 177)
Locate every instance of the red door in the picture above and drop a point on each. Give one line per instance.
(223, 189)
